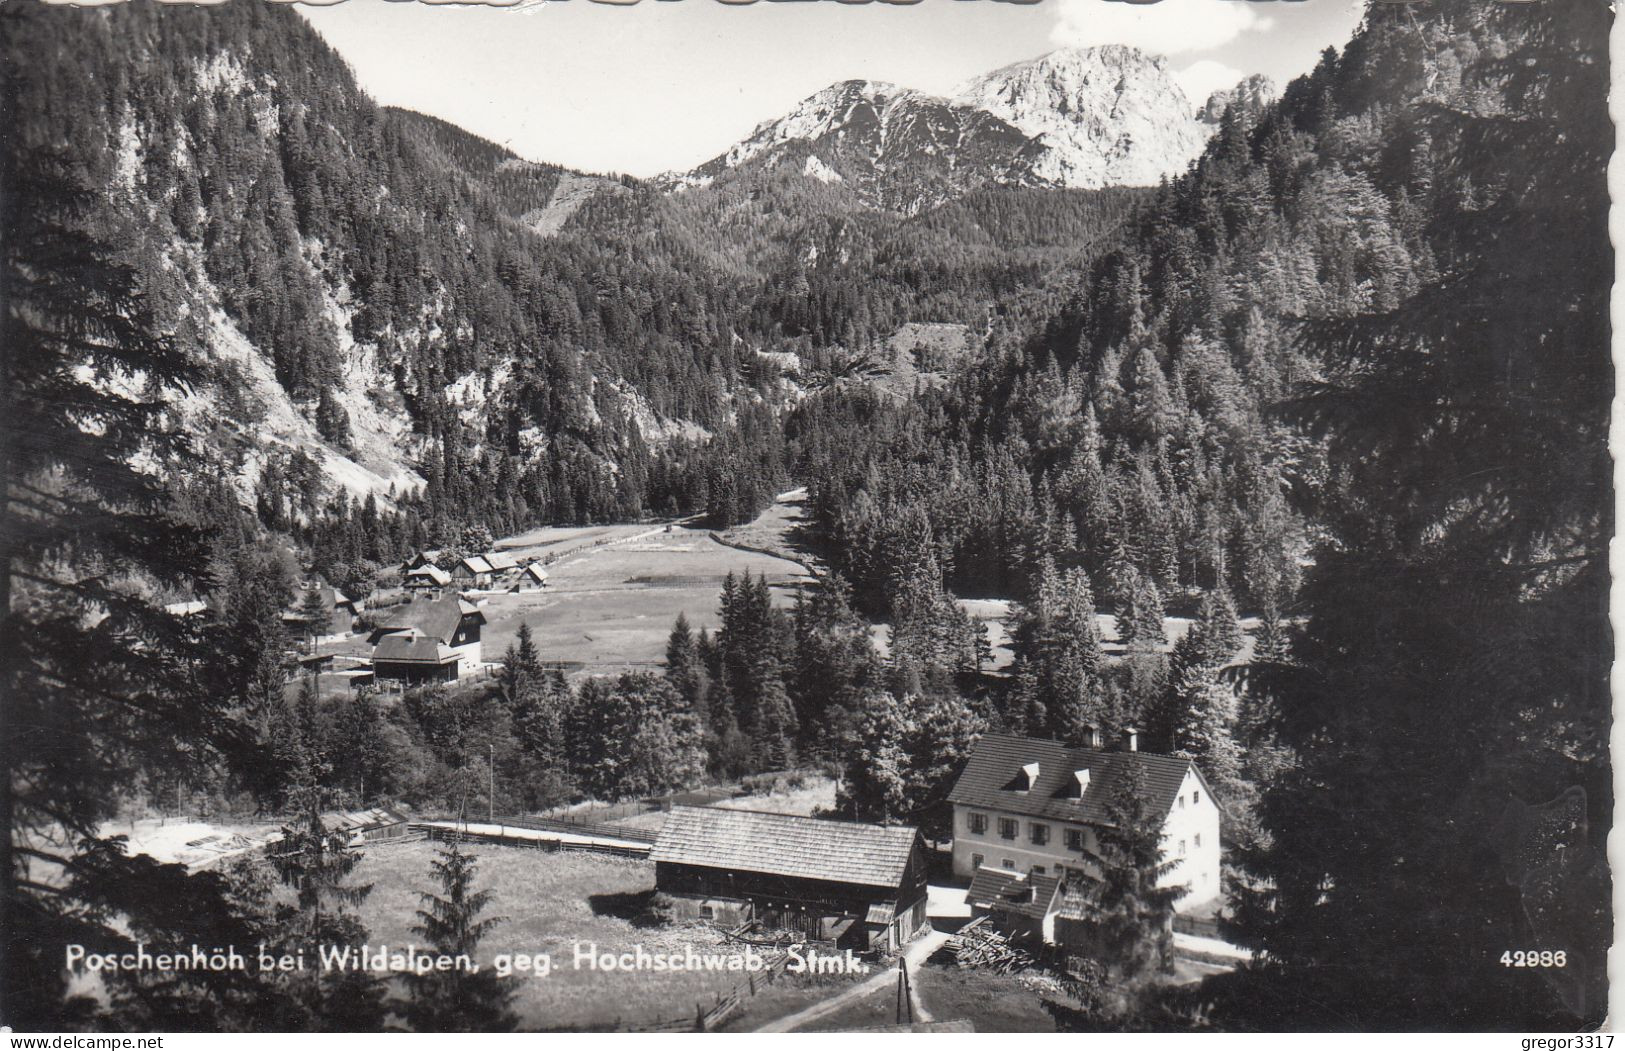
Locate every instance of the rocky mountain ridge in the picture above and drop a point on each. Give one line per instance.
(1077, 118)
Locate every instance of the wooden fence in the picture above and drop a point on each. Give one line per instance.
(580, 828)
(725, 1007)
(606, 812)
(805, 563)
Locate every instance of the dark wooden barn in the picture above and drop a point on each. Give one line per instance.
(862, 886)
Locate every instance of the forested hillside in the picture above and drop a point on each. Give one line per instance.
(425, 305)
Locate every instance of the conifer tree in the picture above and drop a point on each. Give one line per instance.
(834, 662)
(459, 1000)
(1139, 621)
(537, 702)
(1453, 661)
(1130, 909)
(315, 863)
(98, 678)
(685, 669)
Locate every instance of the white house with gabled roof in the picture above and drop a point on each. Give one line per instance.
(1031, 806)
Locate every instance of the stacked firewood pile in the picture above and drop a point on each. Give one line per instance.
(753, 932)
(978, 945)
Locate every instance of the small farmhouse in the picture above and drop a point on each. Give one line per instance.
(862, 886)
(533, 578)
(503, 567)
(1032, 806)
(427, 641)
(427, 581)
(472, 571)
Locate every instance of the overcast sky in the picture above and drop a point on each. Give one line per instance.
(667, 84)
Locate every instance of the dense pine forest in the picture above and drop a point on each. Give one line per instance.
(1346, 378)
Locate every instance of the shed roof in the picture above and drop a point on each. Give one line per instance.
(786, 845)
(475, 564)
(993, 778)
(500, 561)
(1028, 895)
(535, 570)
(412, 648)
(358, 820)
(438, 619)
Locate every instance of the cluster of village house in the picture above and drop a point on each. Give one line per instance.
(1027, 816)
(496, 571)
(1027, 812)
(433, 636)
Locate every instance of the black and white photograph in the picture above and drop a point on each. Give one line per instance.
(752, 516)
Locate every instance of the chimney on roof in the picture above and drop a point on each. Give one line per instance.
(1091, 736)
(1131, 739)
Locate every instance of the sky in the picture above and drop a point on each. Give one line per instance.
(665, 85)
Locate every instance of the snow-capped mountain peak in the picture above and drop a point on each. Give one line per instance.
(1078, 117)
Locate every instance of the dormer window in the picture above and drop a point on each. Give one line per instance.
(1080, 782)
(1027, 778)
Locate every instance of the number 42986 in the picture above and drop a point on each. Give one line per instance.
(1534, 958)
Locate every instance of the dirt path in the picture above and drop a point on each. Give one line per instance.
(915, 954)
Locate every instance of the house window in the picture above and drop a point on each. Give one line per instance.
(1074, 839)
(1038, 870)
(1008, 827)
(1196, 797)
(707, 912)
(1198, 841)
(1040, 834)
(976, 861)
(977, 823)
(1182, 848)
(1010, 865)
(1182, 802)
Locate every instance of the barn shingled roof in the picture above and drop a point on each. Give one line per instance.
(786, 845)
(500, 561)
(438, 619)
(992, 776)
